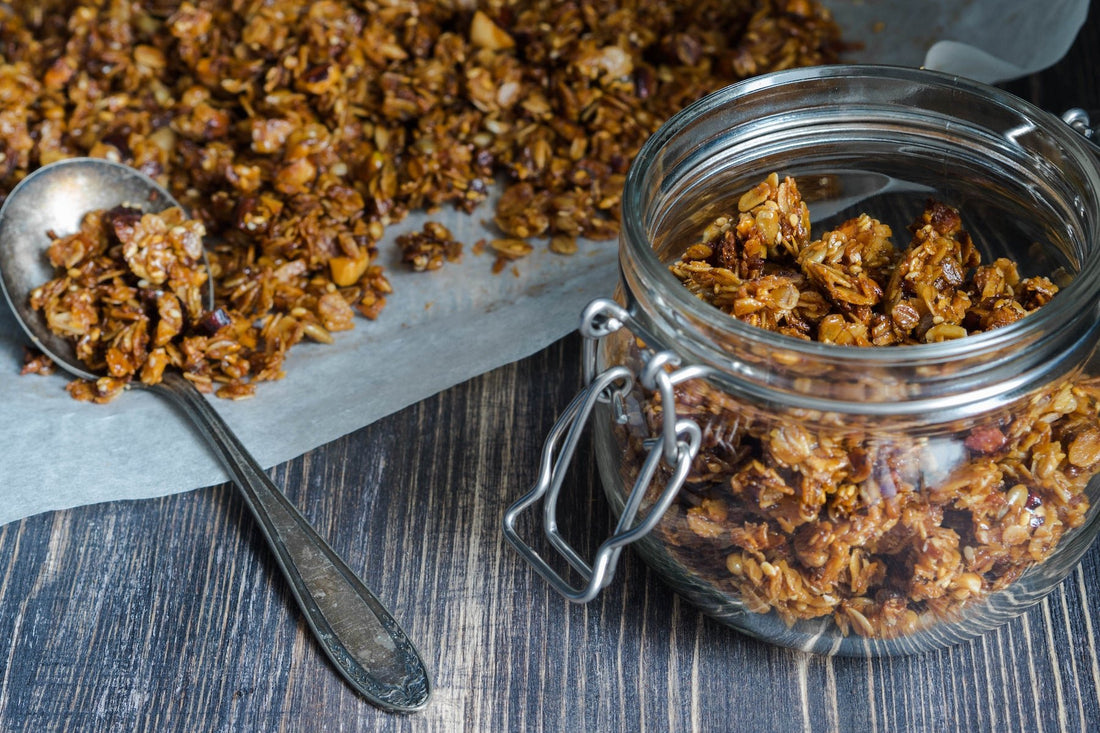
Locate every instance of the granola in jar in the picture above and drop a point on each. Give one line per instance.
(829, 412)
(814, 515)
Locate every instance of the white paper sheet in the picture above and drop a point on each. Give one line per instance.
(441, 328)
(987, 40)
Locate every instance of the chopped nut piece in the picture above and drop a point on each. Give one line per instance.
(335, 313)
(347, 270)
(484, 33)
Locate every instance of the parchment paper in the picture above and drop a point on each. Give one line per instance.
(439, 328)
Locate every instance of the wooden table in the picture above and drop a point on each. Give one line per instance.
(169, 614)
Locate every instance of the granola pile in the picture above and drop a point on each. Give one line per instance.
(884, 531)
(296, 131)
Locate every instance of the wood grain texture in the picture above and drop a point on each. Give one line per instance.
(169, 614)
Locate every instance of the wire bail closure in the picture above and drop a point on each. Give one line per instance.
(676, 446)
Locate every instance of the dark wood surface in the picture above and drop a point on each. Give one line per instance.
(169, 614)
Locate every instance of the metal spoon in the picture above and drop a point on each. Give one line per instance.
(360, 637)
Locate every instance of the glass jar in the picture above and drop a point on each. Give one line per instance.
(842, 499)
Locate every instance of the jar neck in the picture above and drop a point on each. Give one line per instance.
(948, 380)
(677, 181)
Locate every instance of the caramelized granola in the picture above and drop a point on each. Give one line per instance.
(429, 248)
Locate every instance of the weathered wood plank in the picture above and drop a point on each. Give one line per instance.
(168, 614)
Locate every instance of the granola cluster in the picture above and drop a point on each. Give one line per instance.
(296, 131)
(429, 248)
(129, 295)
(884, 531)
(852, 286)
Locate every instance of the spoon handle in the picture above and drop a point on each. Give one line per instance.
(360, 637)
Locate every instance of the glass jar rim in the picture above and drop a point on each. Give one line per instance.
(1084, 287)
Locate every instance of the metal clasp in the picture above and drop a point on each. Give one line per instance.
(677, 446)
(1082, 123)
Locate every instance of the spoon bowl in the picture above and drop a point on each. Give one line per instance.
(55, 198)
(357, 633)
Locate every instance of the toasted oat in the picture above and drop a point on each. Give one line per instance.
(563, 244)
